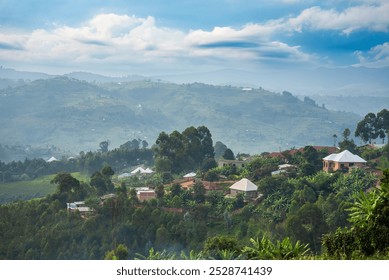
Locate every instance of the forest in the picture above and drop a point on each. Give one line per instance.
(303, 213)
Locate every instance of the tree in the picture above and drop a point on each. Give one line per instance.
(219, 149)
(107, 171)
(104, 146)
(102, 183)
(211, 175)
(265, 249)
(383, 124)
(199, 192)
(181, 152)
(214, 246)
(160, 192)
(144, 144)
(67, 185)
(175, 190)
(347, 144)
(368, 236)
(97, 181)
(307, 225)
(346, 134)
(368, 129)
(120, 253)
(335, 139)
(228, 154)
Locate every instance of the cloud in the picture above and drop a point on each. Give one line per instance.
(122, 39)
(113, 40)
(369, 17)
(229, 44)
(377, 56)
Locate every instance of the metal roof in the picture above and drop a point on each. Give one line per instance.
(345, 156)
(244, 185)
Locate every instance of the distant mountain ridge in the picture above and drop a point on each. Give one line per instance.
(12, 74)
(357, 90)
(77, 115)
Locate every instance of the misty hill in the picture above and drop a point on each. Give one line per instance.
(76, 115)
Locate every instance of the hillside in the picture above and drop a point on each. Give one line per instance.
(76, 115)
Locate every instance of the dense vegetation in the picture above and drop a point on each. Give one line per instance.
(301, 213)
(70, 113)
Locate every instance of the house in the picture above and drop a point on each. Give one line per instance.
(190, 176)
(124, 175)
(79, 206)
(145, 194)
(140, 170)
(283, 168)
(342, 161)
(52, 159)
(233, 163)
(245, 186)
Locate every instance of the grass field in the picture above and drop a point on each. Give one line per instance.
(25, 190)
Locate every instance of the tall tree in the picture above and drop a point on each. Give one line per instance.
(347, 144)
(104, 146)
(67, 185)
(219, 149)
(228, 154)
(367, 129)
(383, 123)
(184, 151)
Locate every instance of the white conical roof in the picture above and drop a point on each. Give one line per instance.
(138, 170)
(52, 159)
(244, 185)
(148, 171)
(189, 175)
(345, 156)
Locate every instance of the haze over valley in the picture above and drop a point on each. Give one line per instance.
(75, 114)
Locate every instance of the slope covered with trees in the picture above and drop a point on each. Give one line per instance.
(77, 115)
(301, 213)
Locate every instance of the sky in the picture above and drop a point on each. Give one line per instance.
(150, 37)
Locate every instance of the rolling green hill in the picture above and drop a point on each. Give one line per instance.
(77, 115)
(25, 190)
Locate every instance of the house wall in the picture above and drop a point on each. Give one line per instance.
(331, 166)
(236, 163)
(146, 195)
(251, 194)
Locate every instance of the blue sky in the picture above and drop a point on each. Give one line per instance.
(150, 37)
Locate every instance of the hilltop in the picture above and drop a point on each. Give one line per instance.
(77, 115)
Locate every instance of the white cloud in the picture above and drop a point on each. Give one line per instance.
(121, 39)
(117, 40)
(377, 56)
(370, 17)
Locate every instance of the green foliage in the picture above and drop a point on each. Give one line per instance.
(198, 192)
(369, 235)
(182, 152)
(68, 187)
(219, 148)
(373, 126)
(228, 154)
(156, 255)
(362, 211)
(347, 144)
(120, 253)
(221, 247)
(265, 249)
(211, 175)
(230, 109)
(357, 180)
